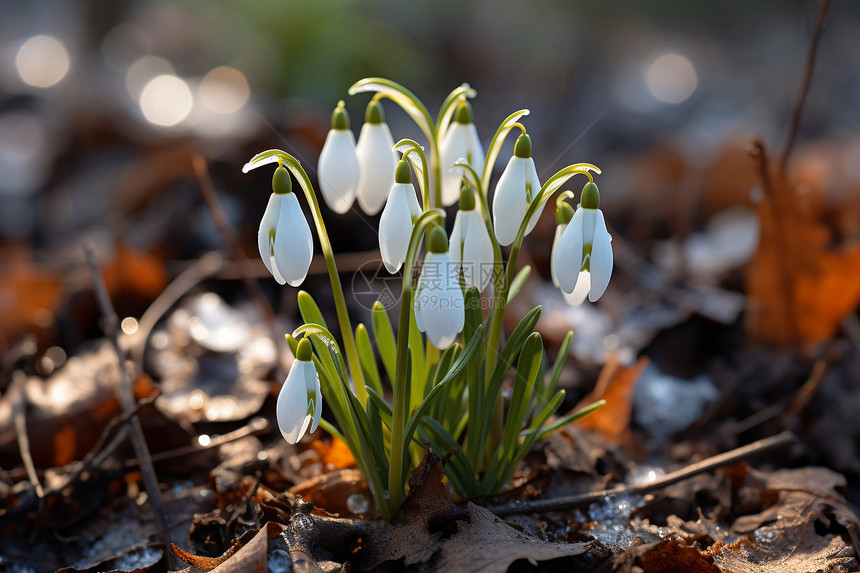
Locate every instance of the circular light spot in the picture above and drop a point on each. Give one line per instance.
(672, 78)
(224, 90)
(42, 61)
(166, 100)
(142, 71)
(129, 325)
(204, 440)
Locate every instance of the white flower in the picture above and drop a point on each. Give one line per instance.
(284, 238)
(438, 301)
(395, 225)
(376, 160)
(517, 187)
(300, 400)
(470, 245)
(584, 251)
(338, 170)
(460, 141)
(578, 296)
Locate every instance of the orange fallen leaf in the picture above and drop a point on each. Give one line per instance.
(28, 295)
(799, 287)
(334, 455)
(616, 384)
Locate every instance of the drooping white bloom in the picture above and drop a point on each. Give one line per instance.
(584, 251)
(460, 141)
(338, 169)
(376, 160)
(580, 292)
(300, 400)
(517, 186)
(284, 238)
(438, 301)
(395, 225)
(470, 247)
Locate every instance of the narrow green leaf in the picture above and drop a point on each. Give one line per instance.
(367, 357)
(572, 418)
(446, 111)
(518, 281)
(309, 309)
(416, 350)
(383, 334)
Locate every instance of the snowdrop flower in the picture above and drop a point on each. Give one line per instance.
(460, 141)
(584, 252)
(300, 400)
(395, 225)
(563, 215)
(471, 248)
(338, 169)
(517, 186)
(376, 160)
(438, 301)
(284, 238)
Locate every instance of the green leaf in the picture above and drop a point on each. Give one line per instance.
(572, 418)
(416, 350)
(367, 357)
(309, 310)
(458, 467)
(383, 334)
(518, 281)
(455, 369)
(325, 345)
(528, 368)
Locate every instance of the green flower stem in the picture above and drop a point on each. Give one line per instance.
(401, 385)
(410, 148)
(493, 341)
(334, 278)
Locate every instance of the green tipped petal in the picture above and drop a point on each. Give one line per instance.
(305, 351)
(464, 112)
(467, 198)
(523, 147)
(563, 214)
(437, 242)
(374, 113)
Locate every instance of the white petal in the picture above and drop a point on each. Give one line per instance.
(583, 286)
(316, 391)
(292, 406)
(377, 162)
(455, 241)
(553, 257)
(293, 242)
(532, 188)
(395, 225)
(569, 254)
(338, 170)
(460, 141)
(477, 251)
(601, 258)
(266, 235)
(439, 301)
(509, 201)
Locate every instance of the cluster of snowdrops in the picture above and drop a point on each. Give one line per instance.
(447, 359)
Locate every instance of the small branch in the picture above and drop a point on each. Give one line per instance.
(19, 407)
(807, 391)
(571, 501)
(805, 82)
(228, 235)
(126, 398)
(852, 533)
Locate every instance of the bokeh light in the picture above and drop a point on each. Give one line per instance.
(224, 90)
(166, 100)
(672, 78)
(142, 71)
(42, 61)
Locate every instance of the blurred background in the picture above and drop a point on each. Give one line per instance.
(104, 103)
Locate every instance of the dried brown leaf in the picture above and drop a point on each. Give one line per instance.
(488, 544)
(616, 385)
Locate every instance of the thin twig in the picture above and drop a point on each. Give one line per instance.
(19, 406)
(571, 501)
(805, 82)
(852, 533)
(255, 426)
(807, 391)
(228, 235)
(202, 269)
(126, 398)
